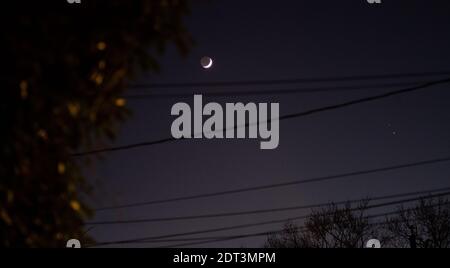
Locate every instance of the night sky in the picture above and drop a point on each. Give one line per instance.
(271, 40)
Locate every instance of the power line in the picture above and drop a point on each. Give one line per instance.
(283, 184)
(273, 221)
(233, 93)
(286, 81)
(206, 240)
(252, 212)
(213, 230)
(366, 99)
(219, 239)
(280, 231)
(390, 203)
(222, 238)
(288, 116)
(180, 239)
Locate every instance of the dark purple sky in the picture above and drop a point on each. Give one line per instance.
(265, 40)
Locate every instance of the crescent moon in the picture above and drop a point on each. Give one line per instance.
(209, 64)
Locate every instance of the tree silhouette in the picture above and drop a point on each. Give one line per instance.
(426, 225)
(331, 227)
(423, 225)
(64, 69)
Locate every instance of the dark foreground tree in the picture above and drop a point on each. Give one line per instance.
(64, 67)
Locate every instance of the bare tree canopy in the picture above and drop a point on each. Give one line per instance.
(424, 225)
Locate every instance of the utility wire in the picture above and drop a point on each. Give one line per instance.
(219, 238)
(246, 235)
(379, 205)
(206, 240)
(223, 238)
(283, 184)
(271, 232)
(286, 81)
(234, 93)
(252, 212)
(288, 116)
